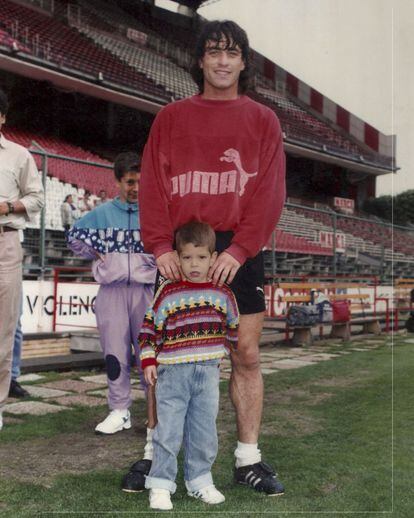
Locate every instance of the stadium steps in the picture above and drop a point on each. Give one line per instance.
(85, 176)
(56, 43)
(299, 124)
(158, 68)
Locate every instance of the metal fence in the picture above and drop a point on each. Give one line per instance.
(353, 242)
(338, 243)
(43, 159)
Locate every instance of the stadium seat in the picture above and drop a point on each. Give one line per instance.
(51, 40)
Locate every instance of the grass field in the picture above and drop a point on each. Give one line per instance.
(328, 427)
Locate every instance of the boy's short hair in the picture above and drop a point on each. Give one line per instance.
(232, 34)
(196, 233)
(125, 163)
(4, 102)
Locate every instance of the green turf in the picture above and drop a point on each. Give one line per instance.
(328, 427)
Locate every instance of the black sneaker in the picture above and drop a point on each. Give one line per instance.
(134, 480)
(16, 390)
(261, 477)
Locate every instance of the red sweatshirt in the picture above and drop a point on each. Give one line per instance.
(220, 162)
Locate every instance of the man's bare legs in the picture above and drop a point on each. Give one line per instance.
(246, 383)
(246, 392)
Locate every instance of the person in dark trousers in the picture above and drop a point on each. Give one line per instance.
(218, 157)
(16, 390)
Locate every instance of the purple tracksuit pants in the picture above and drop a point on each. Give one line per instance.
(120, 311)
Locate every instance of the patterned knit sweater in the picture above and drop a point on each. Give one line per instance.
(189, 322)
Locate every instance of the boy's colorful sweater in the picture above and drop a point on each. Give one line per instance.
(189, 322)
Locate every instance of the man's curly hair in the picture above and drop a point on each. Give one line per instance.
(234, 36)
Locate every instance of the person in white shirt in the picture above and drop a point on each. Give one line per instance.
(103, 198)
(21, 198)
(68, 212)
(86, 204)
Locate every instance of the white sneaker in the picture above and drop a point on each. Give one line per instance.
(1, 420)
(208, 495)
(160, 499)
(116, 421)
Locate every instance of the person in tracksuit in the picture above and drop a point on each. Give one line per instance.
(111, 236)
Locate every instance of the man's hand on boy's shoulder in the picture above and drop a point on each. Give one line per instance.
(150, 374)
(224, 269)
(169, 266)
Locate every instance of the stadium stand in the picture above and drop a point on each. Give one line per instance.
(96, 43)
(14, 45)
(362, 235)
(138, 47)
(301, 125)
(158, 68)
(54, 42)
(294, 243)
(89, 177)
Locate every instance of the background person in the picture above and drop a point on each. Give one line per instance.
(68, 212)
(86, 204)
(110, 235)
(102, 198)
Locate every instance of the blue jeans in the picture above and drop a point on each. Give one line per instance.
(187, 405)
(17, 347)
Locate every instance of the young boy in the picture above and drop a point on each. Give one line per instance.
(110, 234)
(188, 329)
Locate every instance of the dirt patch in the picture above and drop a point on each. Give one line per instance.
(294, 395)
(342, 381)
(40, 460)
(292, 423)
(329, 488)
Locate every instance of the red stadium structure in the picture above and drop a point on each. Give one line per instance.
(85, 80)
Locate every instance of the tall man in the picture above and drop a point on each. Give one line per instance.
(218, 157)
(21, 197)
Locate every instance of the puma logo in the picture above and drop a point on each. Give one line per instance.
(214, 183)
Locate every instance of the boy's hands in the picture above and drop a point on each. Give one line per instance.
(150, 374)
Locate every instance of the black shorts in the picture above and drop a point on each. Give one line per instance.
(247, 285)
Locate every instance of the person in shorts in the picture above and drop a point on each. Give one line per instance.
(218, 157)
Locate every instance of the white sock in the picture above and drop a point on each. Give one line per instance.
(247, 454)
(149, 448)
(121, 411)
